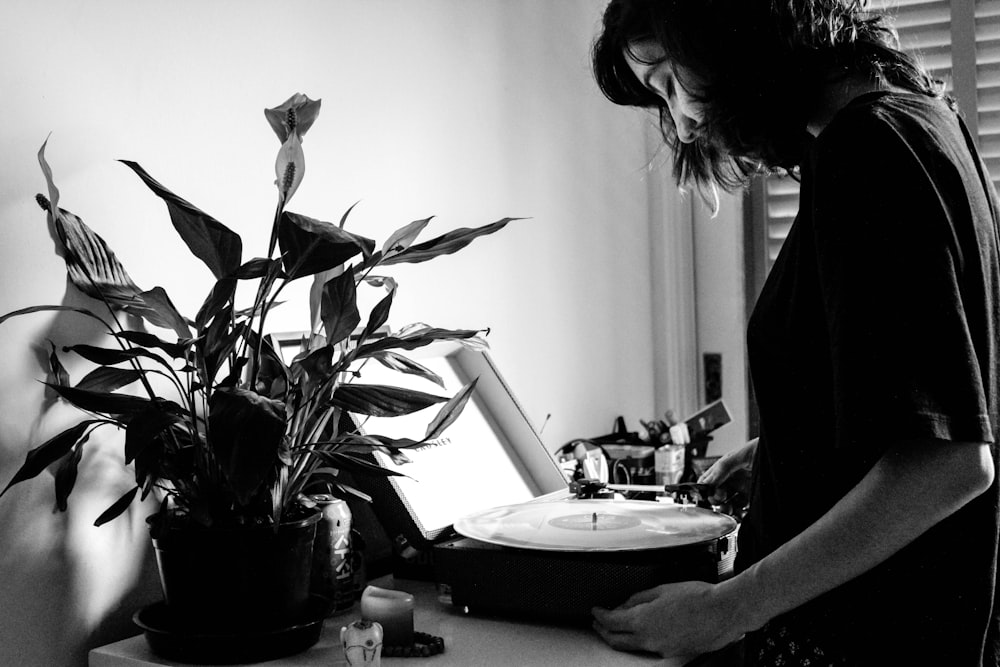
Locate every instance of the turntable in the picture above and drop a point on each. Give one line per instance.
(503, 533)
(557, 559)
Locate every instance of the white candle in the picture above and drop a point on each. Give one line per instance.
(393, 610)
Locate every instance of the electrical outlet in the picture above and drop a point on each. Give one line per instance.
(712, 366)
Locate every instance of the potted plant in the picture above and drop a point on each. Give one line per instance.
(215, 422)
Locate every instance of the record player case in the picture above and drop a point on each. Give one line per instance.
(563, 586)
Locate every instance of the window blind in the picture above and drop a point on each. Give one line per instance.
(987, 20)
(959, 42)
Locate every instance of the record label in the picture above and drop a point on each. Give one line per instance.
(595, 525)
(595, 521)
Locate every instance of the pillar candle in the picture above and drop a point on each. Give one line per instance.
(393, 610)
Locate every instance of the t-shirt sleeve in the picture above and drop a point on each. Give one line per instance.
(890, 261)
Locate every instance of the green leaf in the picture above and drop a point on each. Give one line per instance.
(273, 377)
(358, 464)
(66, 475)
(258, 267)
(445, 244)
(368, 441)
(145, 443)
(155, 307)
(398, 362)
(381, 400)
(413, 341)
(247, 435)
(39, 309)
(208, 239)
(144, 429)
(317, 365)
(107, 379)
(118, 507)
(111, 356)
(450, 411)
(219, 342)
(339, 307)
(347, 489)
(403, 238)
(49, 181)
(343, 221)
(53, 449)
(56, 368)
(91, 265)
(102, 402)
(377, 317)
(309, 246)
(388, 282)
(146, 339)
(222, 293)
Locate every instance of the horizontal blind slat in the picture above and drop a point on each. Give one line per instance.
(987, 76)
(988, 53)
(988, 99)
(989, 122)
(987, 28)
(987, 8)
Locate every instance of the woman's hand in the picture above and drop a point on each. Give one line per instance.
(730, 478)
(733, 462)
(684, 619)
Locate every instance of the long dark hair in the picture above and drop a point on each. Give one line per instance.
(761, 65)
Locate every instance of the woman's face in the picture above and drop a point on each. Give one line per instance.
(661, 79)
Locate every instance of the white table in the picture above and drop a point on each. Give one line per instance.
(469, 642)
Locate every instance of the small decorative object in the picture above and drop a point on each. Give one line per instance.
(393, 610)
(423, 646)
(333, 561)
(215, 423)
(362, 642)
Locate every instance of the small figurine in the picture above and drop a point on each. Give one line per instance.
(362, 642)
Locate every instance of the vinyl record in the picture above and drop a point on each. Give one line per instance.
(595, 525)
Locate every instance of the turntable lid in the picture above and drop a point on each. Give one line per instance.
(595, 525)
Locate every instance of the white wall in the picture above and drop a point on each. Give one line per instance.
(470, 111)
(720, 298)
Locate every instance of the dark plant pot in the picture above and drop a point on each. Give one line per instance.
(242, 579)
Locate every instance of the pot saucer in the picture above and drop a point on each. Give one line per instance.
(169, 639)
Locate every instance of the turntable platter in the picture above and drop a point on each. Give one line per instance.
(595, 525)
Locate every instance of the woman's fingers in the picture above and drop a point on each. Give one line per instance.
(647, 595)
(724, 468)
(614, 620)
(618, 627)
(620, 641)
(717, 473)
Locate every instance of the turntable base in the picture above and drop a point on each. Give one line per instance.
(554, 586)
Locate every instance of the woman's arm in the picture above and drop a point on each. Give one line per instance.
(911, 488)
(902, 496)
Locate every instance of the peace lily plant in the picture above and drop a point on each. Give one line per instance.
(238, 435)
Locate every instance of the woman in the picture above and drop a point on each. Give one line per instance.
(871, 536)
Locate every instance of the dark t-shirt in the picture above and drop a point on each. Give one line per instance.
(880, 323)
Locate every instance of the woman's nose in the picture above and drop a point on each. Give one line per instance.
(688, 129)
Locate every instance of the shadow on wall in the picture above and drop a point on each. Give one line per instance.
(65, 585)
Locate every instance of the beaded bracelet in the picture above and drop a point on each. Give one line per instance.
(423, 646)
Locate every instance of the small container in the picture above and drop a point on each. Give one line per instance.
(332, 571)
(669, 464)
